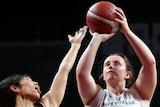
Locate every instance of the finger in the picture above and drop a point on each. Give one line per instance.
(69, 36)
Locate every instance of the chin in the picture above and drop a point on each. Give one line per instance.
(34, 97)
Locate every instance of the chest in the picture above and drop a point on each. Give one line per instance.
(123, 100)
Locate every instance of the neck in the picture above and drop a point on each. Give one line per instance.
(21, 102)
(116, 88)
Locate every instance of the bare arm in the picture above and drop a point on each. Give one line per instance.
(56, 93)
(147, 78)
(86, 85)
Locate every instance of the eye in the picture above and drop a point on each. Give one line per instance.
(107, 64)
(116, 63)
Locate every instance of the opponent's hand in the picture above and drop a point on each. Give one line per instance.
(79, 35)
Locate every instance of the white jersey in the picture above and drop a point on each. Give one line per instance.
(129, 98)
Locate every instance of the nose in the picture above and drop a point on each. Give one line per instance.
(111, 66)
(36, 83)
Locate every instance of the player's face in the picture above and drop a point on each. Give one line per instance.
(114, 69)
(29, 89)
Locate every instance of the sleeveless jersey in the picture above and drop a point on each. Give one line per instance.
(129, 98)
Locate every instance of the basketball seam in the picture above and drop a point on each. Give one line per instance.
(102, 19)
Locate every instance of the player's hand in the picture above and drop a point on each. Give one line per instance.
(103, 36)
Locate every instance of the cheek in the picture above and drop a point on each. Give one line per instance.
(25, 90)
(121, 72)
(122, 69)
(105, 69)
(30, 93)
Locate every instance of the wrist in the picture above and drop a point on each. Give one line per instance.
(76, 44)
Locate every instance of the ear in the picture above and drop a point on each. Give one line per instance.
(14, 88)
(128, 74)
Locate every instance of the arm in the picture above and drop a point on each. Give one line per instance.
(86, 85)
(56, 93)
(147, 78)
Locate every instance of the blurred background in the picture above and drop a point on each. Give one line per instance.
(33, 39)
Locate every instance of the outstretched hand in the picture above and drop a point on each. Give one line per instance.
(103, 36)
(79, 35)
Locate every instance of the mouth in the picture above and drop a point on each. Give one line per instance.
(109, 71)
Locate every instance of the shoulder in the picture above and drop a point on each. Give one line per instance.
(133, 93)
(97, 100)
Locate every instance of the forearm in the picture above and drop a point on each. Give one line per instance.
(60, 80)
(87, 59)
(143, 52)
(70, 58)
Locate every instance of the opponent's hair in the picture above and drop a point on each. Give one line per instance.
(7, 97)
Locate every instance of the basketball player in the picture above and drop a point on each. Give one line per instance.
(116, 71)
(19, 90)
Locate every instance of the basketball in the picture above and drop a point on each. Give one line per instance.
(100, 17)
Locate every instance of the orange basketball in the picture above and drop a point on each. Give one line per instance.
(100, 17)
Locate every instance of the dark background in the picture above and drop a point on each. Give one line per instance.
(53, 21)
(33, 39)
